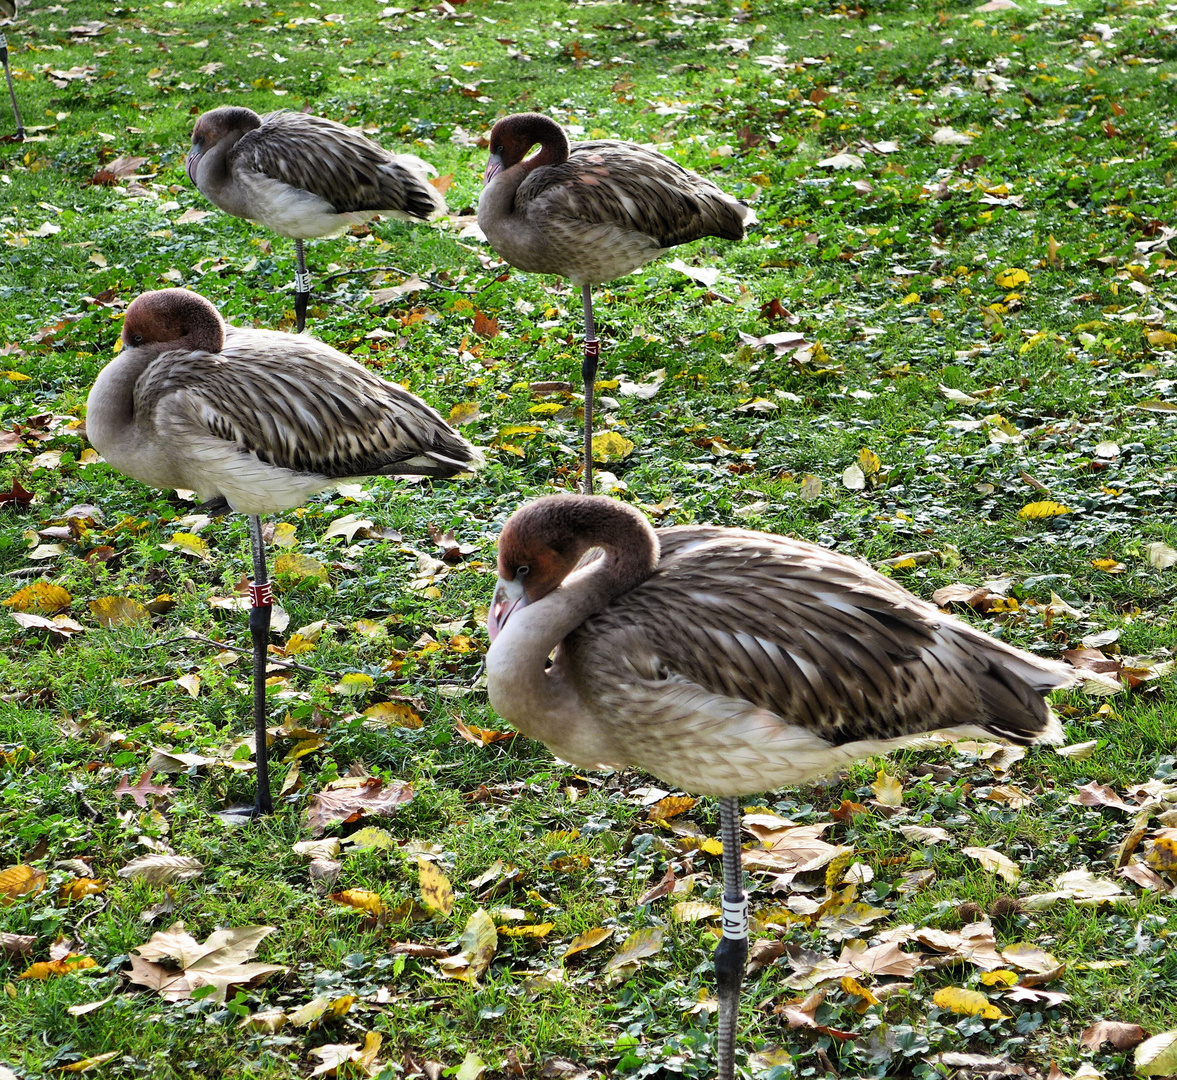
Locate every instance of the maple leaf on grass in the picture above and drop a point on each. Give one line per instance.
(220, 962)
(142, 789)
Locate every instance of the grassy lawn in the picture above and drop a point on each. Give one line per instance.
(967, 223)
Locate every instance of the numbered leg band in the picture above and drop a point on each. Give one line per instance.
(592, 348)
(302, 281)
(262, 595)
(735, 917)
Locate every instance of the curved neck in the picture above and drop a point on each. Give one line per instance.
(539, 699)
(214, 180)
(499, 194)
(110, 408)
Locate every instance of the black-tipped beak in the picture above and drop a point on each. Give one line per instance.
(508, 597)
(494, 166)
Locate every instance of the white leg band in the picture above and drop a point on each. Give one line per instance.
(735, 917)
(302, 281)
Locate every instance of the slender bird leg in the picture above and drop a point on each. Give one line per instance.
(261, 595)
(588, 369)
(732, 952)
(302, 288)
(20, 128)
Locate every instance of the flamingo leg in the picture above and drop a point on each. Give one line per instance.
(302, 288)
(732, 952)
(20, 128)
(588, 370)
(261, 594)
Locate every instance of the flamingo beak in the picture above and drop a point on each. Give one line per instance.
(508, 597)
(190, 164)
(494, 166)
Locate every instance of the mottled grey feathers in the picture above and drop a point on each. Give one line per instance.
(814, 637)
(335, 162)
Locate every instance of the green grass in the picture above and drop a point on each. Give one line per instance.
(1071, 111)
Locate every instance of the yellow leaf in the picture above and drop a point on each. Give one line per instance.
(118, 611)
(16, 376)
(888, 790)
(995, 861)
(437, 893)
(590, 939)
(868, 461)
(1161, 339)
(912, 298)
(1030, 957)
(296, 645)
(1162, 855)
(465, 412)
(354, 684)
(66, 965)
(711, 847)
(1157, 1056)
(856, 989)
(610, 446)
(361, 899)
(189, 543)
(670, 807)
(535, 930)
(1000, 977)
(966, 1003)
(394, 714)
(520, 429)
(19, 881)
(79, 887)
(1035, 510)
(86, 1064)
(284, 535)
(546, 408)
(694, 911)
(40, 596)
(1031, 343)
(1011, 279)
(297, 568)
(341, 1005)
(640, 943)
(309, 1014)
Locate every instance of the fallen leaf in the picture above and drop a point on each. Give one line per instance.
(1122, 1036)
(590, 939)
(437, 893)
(118, 611)
(361, 899)
(966, 1003)
(18, 881)
(345, 804)
(162, 869)
(41, 596)
(609, 446)
(1158, 1055)
(995, 861)
(640, 943)
(1037, 510)
(142, 789)
(221, 961)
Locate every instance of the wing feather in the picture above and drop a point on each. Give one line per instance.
(616, 183)
(301, 406)
(814, 638)
(338, 164)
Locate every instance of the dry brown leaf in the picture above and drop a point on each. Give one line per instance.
(1122, 1036)
(221, 961)
(345, 804)
(1000, 864)
(162, 869)
(142, 789)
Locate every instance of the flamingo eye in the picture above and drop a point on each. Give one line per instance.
(523, 571)
(499, 149)
(137, 339)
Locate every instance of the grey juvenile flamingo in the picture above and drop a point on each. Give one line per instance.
(303, 177)
(8, 11)
(728, 662)
(259, 419)
(592, 212)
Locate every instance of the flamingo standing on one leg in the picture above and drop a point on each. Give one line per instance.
(303, 177)
(728, 662)
(8, 11)
(592, 212)
(258, 418)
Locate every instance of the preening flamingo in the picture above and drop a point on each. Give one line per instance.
(303, 177)
(592, 212)
(8, 11)
(728, 662)
(260, 419)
